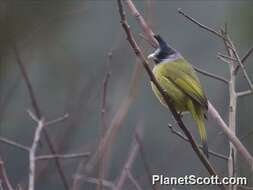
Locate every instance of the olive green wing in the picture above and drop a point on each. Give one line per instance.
(184, 77)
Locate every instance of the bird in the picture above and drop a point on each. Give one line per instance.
(179, 80)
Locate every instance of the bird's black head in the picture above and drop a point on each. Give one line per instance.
(162, 52)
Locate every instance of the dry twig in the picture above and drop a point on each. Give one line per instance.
(62, 156)
(4, 180)
(140, 55)
(32, 155)
(179, 134)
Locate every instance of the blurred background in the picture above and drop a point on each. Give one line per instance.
(65, 47)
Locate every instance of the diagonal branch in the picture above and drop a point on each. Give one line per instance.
(211, 75)
(144, 159)
(4, 180)
(231, 136)
(128, 164)
(38, 113)
(245, 74)
(180, 135)
(244, 58)
(199, 24)
(141, 57)
(14, 144)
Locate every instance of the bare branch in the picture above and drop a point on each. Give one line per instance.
(231, 136)
(101, 161)
(167, 99)
(105, 183)
(4, 180)
(57, 120)
(32, 155)
(232, 158)
(244, 93)
(116, 121)
(211, 75)
(245, 74)
(128, 164)
(244, 58)
(14, 144)
(63, 156)
(144, 159)
(27, 82)
(133, 180)
(248, 53)
(180, 11)
(179, 134)
(226, 57)
(224, 60)
(144, 26)
(38, 113)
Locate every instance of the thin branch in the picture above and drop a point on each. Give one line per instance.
(248, 53)
(227, 57)
(180, 135)
(144, 159)
(214, 113)
(245, 74)
(63, 156)
(223, 60)
(167, 99)
(133, 180)
(180, 11)
(32, 155)
(101, 161)
(128, 164)
(244, 58)
(105, 183)
(14, 144)
(4, 180)
(27, 82)
(244, 93)
(232, 161)
(144, 26)
(231, 136)
(57, 120)
(38, 113)
(211, 75)
(115, 122)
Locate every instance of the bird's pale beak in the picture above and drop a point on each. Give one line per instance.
(152, 55)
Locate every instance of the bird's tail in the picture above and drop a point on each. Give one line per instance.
(198, 116)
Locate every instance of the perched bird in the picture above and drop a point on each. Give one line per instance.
(179, 80)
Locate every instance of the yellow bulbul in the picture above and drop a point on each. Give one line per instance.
(179, 80)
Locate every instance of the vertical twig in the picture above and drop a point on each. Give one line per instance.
(116, 121)
(4, 180)
(32, 154)
(101, 161)
(232, 159)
